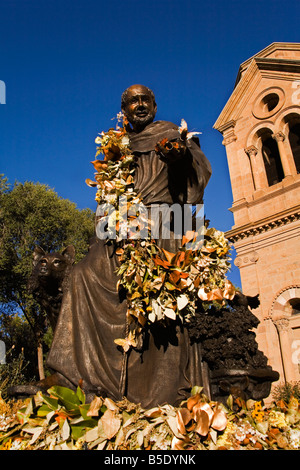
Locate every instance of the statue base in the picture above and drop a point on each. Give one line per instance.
(246, 384)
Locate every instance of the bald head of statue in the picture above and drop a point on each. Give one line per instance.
(139, 106)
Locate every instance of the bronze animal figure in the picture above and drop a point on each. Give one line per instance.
(49, 279)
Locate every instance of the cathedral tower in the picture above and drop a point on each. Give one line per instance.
(260, 125)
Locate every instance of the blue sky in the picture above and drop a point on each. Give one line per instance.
(65, 64)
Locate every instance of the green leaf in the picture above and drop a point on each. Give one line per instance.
(81, 395)
(80, 428)
(84, 410)
(24, 413)
(170, 286)
(196, 389)
(51, 402)
(44, 410)
(67, 397)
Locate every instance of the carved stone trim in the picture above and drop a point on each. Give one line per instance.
(229, 137)
(251, 231)
(283, 324)
(282, 298)
(279, 136)
(252, 150)
(246, 260)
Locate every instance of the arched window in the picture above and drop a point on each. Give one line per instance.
(287, 303)
(295, 306)
(294, 138)
(271, 158)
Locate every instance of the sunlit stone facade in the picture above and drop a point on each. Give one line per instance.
(260, 124)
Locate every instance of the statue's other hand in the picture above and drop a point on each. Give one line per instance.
(169, 151)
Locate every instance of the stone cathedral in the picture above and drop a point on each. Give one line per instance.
(260, 125)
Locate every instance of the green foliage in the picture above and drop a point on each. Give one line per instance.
(12, 372)
(286, 391)
(19, 339)
(32, 214)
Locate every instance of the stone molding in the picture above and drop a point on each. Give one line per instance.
(252, 150)
(283, 324)
(279, 136)
(262, 227)
(282, 298)
(246, 260)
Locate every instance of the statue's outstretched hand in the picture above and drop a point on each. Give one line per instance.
(171, 151)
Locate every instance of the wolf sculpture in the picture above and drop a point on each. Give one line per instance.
(49, 279)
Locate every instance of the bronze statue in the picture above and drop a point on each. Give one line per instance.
(93, 311)
(49, 279)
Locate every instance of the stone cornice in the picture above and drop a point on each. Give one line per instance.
(268, 193)
(280, 65)
(251, 72)
(263, 225)
(267, 51)
(231, 111)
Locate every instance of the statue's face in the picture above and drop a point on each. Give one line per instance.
(140, 108)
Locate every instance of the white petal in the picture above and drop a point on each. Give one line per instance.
(169, 312)
(182, 301)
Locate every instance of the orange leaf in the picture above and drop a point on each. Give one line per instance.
(109, 185)
(192, 401)
(153, 413)
(197, 282)
(229, 291)
(202, 426)
(99, 165)
(190, 235)
(215, 294)
(138, 280)
(168, 255)
(188, 257)
(179, 444)
(205, 407)
(141, 319)
(176, 276)
(185, 415)
(112, 153)
(91, 183)
(219, 421)
(161, 262)
(179, 258)
(129, 180)
(180, 423)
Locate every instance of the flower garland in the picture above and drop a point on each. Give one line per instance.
(160, 286)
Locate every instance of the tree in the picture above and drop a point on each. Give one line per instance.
(32, 214)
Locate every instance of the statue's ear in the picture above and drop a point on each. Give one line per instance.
(69, 253)
(38, 252)
(244, 383)
(224, 385)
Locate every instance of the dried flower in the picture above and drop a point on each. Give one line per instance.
(160, 286)
(258, 413)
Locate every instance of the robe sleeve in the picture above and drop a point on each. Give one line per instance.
(189, 176)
